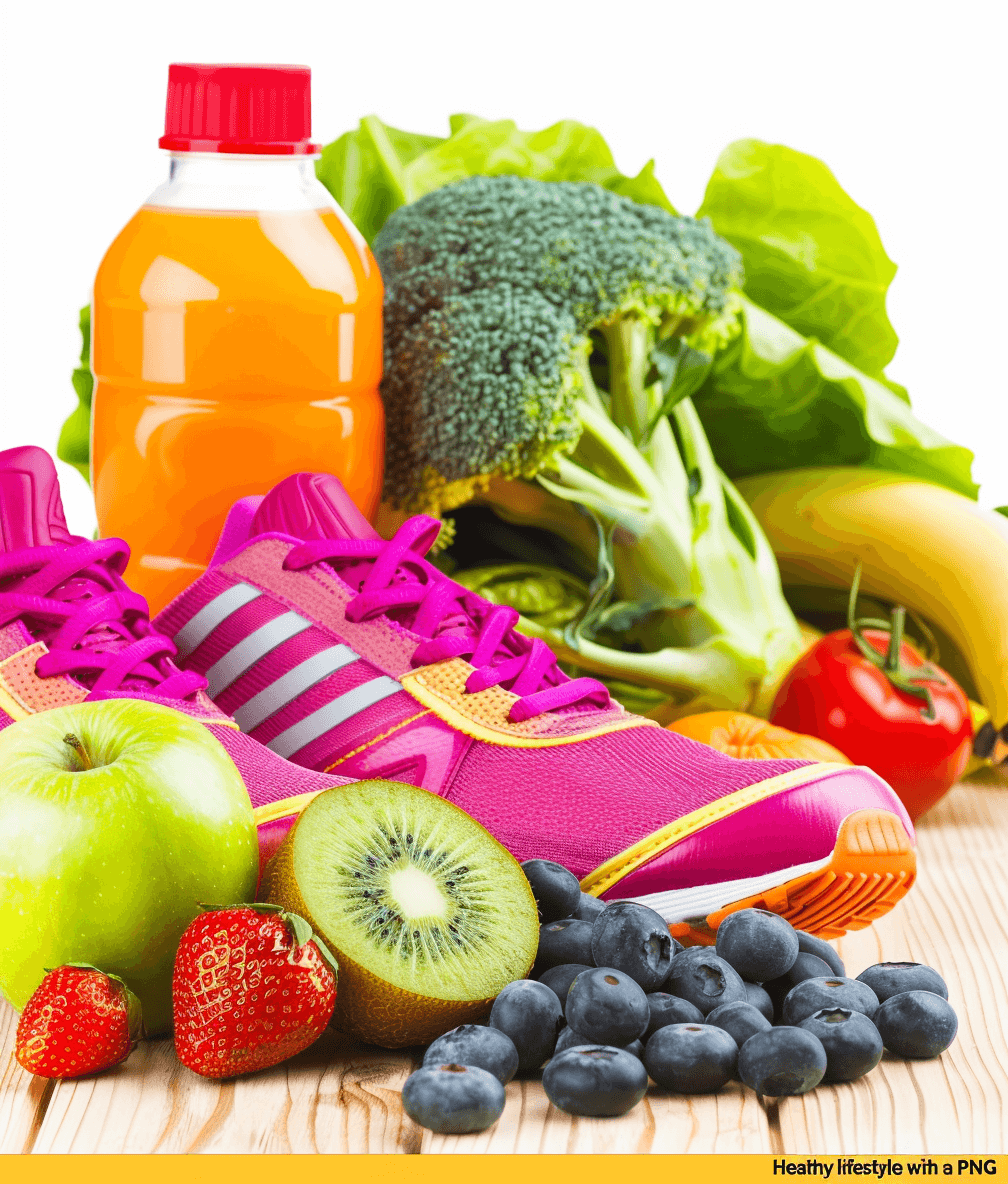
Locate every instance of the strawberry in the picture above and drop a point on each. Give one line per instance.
(252, 986)
(79, 1020)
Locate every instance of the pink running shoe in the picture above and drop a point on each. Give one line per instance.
(351, 655)
(71, 630)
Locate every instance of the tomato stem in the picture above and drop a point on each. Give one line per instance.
(908, 681)
(897, 619)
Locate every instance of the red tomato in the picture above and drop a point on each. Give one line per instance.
(837, 693)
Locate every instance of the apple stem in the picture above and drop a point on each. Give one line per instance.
(79, 748)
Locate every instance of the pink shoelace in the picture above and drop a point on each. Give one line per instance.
(96, 629)
(456, 622)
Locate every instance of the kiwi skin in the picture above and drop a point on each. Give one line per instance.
(367, 1007)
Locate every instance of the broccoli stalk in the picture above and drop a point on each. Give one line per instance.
(542, 343)
(715, 625)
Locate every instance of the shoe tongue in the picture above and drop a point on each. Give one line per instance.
(31, 512)
(311, 506)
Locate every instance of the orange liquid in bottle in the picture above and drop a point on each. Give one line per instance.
(229, 351)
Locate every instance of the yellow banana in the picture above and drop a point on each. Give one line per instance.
(920, 545)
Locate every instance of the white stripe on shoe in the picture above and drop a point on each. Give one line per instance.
(684, 904)
(247, 652)
(199, 627)
(295, 682)
(352, 703)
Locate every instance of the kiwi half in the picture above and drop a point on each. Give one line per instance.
(428, 916)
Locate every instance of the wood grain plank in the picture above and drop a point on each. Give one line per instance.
(733, 1121)
(334, 1097)
(956, 920)
(23, 1097)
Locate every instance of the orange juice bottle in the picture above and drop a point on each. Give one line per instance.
(236, 329)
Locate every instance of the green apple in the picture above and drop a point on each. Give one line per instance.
(117, 820)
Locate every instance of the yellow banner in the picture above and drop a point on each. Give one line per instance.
(500, 1169)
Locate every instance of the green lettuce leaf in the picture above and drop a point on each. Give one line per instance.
(812, 256)
(75, 436)
(376, 168)
(776, 400)
(363, 170)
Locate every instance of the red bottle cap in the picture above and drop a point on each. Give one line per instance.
(263, 110)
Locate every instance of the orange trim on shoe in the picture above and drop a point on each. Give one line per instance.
(32, 693)
(873, 865)
(613, 870)
(18, 707)
(484, 714)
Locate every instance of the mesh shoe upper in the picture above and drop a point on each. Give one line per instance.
(353, 655)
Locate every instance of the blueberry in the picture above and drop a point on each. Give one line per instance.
(691, 1058)
(705, 980)
(589, 908)
(782, 1062)
(476, 1046)
(563, 943)
(633, 939)
(691, 952)
(814, 994)
(805, 966)
(528, 1012)
(758, 944)
(893, 978)
(670, 1009)
(739, 1020)
(556, 890)
(559, 979)
(608, 1006)
(916, 1024)
(759, 998)
(686, 957)
(808, 943)
(808, 965)
(595, 1081)
(853, 1045)
(453, 1099)
(570, 1039)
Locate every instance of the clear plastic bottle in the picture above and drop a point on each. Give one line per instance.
(236, 329)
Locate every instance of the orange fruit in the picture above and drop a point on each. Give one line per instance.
(754, 739)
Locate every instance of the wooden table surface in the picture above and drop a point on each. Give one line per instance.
(341, 1097)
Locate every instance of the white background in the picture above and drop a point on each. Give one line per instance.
(905, 102)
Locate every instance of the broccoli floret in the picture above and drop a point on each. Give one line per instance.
(631, 273)
(591, 252)
(541, 342)
(501, 372)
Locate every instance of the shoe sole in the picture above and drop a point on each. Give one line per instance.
(872, 866)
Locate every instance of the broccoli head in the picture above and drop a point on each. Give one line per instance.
(497, 290)
(541, 343)
(501, 371)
